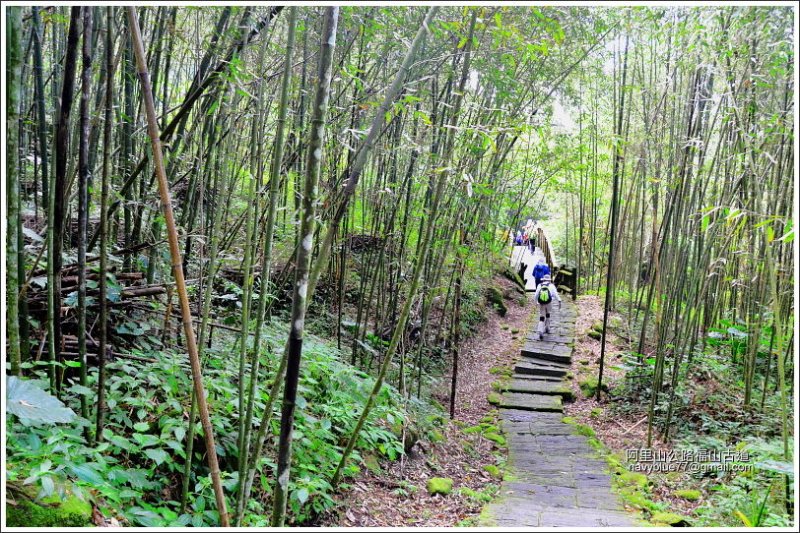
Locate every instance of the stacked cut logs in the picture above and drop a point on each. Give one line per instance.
(133, 289)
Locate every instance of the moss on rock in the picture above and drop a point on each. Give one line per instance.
(635, 499)
(72, 512)
(636, 479)
(440, 485)
(494, 398)
(496, 438)
(493, 471)
(588, 385)
(688, 494)
(669, 519)
(583, 429)
(495, 297)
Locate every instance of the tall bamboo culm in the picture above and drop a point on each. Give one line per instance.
(177, 270)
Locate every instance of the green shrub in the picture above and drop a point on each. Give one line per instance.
(142, 452)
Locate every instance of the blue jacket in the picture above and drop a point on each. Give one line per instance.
(540, 270)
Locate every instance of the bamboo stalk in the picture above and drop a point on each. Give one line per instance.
(177, 269)
(295, 342)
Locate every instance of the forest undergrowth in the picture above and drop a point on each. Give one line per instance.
(708, 418)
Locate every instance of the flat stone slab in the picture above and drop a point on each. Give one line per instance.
(528, 377)
(541, 369)
(531, 402)
(538, 387)
(563, 356)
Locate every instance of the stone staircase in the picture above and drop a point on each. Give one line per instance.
(554, 478)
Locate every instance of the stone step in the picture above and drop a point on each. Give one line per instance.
(537, 379)
(528, 386)
(561, 356)
(557, 335)
(549, 344)
(541, 369)
(531, 402)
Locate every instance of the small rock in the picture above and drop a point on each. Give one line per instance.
(440, 485)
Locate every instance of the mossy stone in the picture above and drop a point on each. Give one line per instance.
(435, 436)
(688, 494)
(583, 429)
(568, 419)
(588, 385)
(514, 331)
(495, 297)
(493, 471)
(637, 500)
(594, 334)
(494, 398)
(636, 479)
(72, 512)
(596, 412)
(440, 485)
(496, 438)
(372, 464)
(597, 326)
(670, 519)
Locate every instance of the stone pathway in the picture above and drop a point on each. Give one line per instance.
(554, 477)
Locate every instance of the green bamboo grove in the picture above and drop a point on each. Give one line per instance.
(195, 191)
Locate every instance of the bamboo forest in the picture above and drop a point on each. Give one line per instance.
(373, 265)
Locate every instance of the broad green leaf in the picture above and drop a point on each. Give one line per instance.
(33, 405)
(156, 454)
(87, 473)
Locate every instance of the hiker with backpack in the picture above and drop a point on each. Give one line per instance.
(539, 271)
(545, 294)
